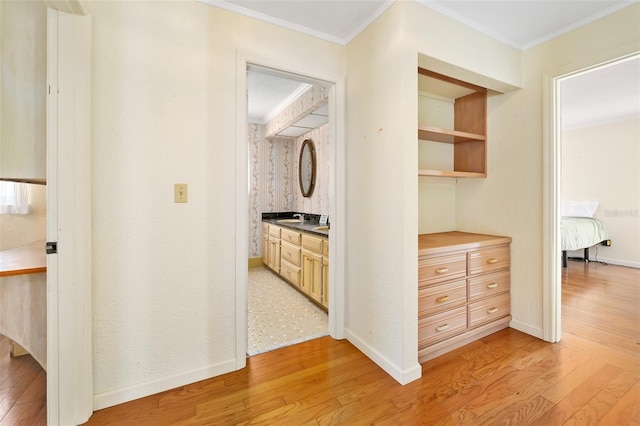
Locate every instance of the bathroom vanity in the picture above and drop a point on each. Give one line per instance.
(298, 251)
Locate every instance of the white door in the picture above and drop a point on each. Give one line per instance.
(69, 356)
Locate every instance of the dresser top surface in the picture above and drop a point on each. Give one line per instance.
(454, 240)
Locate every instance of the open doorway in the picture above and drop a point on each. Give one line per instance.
(286, 114)
(592, 108)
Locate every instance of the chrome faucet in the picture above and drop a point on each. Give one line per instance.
(300, 216)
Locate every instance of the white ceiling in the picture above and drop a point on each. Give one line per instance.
(519, 23)
(602, 95)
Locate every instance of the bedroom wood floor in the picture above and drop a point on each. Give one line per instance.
(591, 377)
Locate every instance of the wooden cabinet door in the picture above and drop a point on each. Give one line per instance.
(312, 275)
(274, 254)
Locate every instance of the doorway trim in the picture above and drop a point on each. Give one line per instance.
(337, 186)
(552, 180)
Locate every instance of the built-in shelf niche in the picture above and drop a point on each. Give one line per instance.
(451, 112)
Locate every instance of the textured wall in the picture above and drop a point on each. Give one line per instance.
(510, 200)
(164, 112)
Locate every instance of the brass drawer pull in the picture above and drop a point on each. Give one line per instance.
(442, 327)
(492, 310)
(442, 299)
(492, 261)
(442, 270)
(492, 285)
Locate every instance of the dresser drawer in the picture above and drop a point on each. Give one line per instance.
(442, 268)
(441, 296)
(274, 231)
(488, 260)
(488, 310)
(325, 248)
(291, 236)
(312, 243)
(290, 272)
(290, 253)
(441, 326)
(484, 286)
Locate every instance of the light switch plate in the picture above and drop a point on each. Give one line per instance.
(180, 193)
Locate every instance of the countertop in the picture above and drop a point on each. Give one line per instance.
(455, 240)
(306, 226)
(28, 259)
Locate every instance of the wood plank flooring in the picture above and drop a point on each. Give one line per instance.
(592, 377)
(22, 389)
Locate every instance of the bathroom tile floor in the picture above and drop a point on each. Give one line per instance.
(279, 315)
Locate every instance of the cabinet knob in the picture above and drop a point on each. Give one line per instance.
(442, 327)
(442, 299)
(492, 310)
(492, 285)
(442, 270)
(492, 261)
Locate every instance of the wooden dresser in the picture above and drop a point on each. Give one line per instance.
(463, 289)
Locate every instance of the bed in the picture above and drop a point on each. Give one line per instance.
(580, 233)
(579, 230)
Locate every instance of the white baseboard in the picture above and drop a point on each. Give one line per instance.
(401, 376)
(526, 328)
(619, 262)
(129, 393)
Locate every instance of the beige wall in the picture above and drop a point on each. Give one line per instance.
(23, 89)
(18, 229)
(381, 177)
(510, 200)
(164, 111)
(600, 163)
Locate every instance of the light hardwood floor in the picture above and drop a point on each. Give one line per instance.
(591, 377)
(22, 389)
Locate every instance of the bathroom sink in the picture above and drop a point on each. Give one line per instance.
(289, 221)
(321, 228)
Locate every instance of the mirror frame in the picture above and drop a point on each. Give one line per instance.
(308, 145)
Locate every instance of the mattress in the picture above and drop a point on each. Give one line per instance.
(581, 232)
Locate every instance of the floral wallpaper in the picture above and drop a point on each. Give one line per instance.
(273, 167)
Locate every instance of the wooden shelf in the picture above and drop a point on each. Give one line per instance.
(454, 112)
(435, 134)
(451, 173)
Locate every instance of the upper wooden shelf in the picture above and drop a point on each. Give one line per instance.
(447, 136)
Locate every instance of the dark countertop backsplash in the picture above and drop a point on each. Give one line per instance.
(310, 221)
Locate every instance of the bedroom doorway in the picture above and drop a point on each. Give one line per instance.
(604, 103)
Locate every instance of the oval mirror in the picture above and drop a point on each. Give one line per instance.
(307, 168)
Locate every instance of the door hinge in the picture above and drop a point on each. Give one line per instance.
(52, 247)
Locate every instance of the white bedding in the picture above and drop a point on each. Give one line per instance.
(581, 232)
